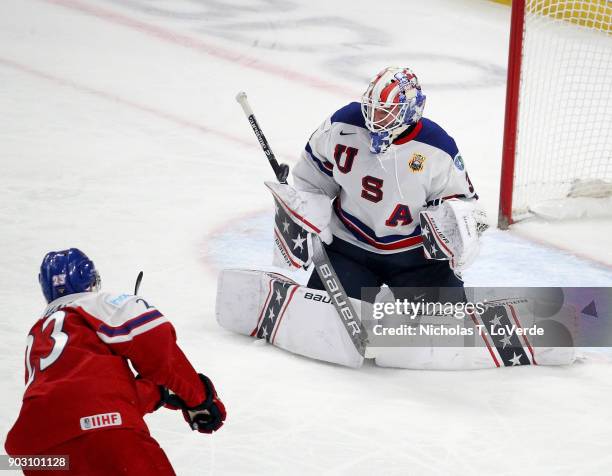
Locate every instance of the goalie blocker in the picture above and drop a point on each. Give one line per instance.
(297, 216)
(303, 321)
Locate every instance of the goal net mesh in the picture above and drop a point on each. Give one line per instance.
(564, 139)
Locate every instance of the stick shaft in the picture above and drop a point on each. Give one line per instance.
(138, 281)
(280, 171)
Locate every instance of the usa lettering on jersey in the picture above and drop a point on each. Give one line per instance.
(377, 196)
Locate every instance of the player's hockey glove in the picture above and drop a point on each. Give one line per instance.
(206, 417)
(170, 400)
(209, 415)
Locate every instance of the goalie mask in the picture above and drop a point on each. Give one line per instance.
(392, 103)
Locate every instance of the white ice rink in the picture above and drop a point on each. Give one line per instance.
(120, 135)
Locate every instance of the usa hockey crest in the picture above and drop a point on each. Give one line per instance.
(417, 162)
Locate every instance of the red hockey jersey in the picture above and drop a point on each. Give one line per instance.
(77, 375)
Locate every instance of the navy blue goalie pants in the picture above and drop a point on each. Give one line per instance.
(358, 268)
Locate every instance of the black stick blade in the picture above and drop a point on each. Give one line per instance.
(138, 281)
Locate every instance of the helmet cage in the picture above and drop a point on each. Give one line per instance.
(392, 102)
(381, 116)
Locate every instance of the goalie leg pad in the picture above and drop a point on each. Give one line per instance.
(489, 348)
(290, 316)
(435, 352)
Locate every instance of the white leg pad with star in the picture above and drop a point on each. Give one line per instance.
(494, 341)
(271, 306)
(274, 308)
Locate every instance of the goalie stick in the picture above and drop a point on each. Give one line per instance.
(280, 170)
(320, 260)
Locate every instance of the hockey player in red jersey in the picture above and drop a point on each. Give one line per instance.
(81, 398)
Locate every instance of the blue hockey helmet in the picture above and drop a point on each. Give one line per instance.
(67, 272)
(392, 103)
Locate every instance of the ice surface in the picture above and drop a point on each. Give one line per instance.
(120, 135)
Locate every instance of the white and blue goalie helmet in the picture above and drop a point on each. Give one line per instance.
(392, 102)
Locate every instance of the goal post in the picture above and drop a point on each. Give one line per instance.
(557, 148)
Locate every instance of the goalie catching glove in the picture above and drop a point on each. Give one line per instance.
(451, 231)
(298, 215)
(206, 417)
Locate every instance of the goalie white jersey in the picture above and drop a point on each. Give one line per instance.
(378, 197)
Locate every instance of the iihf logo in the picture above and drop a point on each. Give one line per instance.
(101, 420)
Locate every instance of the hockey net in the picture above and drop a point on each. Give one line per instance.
(558, 135)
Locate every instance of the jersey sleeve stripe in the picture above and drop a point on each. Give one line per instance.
(130, 325)
(324, 166)
(366, 235)
(132, 333)
(432, 134)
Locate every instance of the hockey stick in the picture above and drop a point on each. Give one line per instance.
(280, 170)
(320, 260)
(138, 281)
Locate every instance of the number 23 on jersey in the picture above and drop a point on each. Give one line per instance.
(58, 340)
